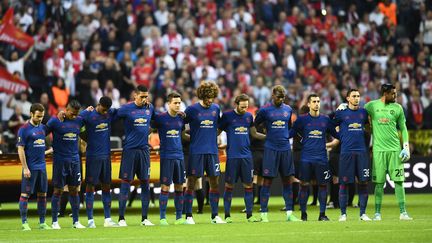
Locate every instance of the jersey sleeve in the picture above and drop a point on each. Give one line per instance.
(113, 114)
(84, 114)
(51, 124)
(296, 128)
(21, 137)
(369, 108)
(331, 128)
(260, 117)
(402, 125)
(189, 115)
(336, 121)
(121, 112)
(223, 122)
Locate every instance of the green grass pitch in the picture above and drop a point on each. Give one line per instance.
(390, 229)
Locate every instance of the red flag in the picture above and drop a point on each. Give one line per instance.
(10, 34)
(9, 84)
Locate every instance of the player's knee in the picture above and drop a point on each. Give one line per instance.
(58, 191)
(214, 182)
(229, 186)
(106, 187)
(41, 194)
(73, 190)
(24, 195)
(305, 183)
(247, 185)
(267, 181)
(90, 188)
(165, 188)
(178, 187)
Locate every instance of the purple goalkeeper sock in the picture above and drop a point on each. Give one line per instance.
(265, 195)
(41, 208)
(363, 197)
(55, 205)
(75, 202)
(303, 197)
(123, 197)
(322, 197)
(288, 196)
(106, 200)
(248, 199)
(343, 198)
(227, 201)
(178, 202)
(163, 201)
(23, 202)
(214, 201)
(188, 197)
(145, 198)
(89, 198)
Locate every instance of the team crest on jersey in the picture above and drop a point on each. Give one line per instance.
(392, 112)
(147, 112)
(285, 114)
(213, 113)
(247, 120)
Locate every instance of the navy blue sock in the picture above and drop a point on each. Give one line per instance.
(343, 198)
(322, 197)
(41, 208)
(23, 202)
(214, 201)
(89, 197)
(303, 198)
(178, 202)
(248, 199)
(363, 197)
(75, 203)
(265, 195)
(106, 200)
(227, 201)
(145, 198)
(163, 201)
(123, 197)
(288, 196)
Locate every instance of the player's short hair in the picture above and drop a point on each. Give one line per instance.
(37, 107)
(240, 98)
(74, 104)
(350, 91)
(387, 88)
(105, 101)
(141, 88)
(207, 90)
(311, 96)
(173, 95)
(278, 89)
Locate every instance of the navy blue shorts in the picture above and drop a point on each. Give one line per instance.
(198, 163)
(321, 172)
(355, 164)
(98, 169)
(172, 170)
(66, 173)
(239, 168)
(38, 182)
(277, 161)
(135, 161)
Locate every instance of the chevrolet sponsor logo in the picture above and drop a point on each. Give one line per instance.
(70, 135)
(355, 125)
(140, 120)
(39, 141)
(241, 129)
(102, 126)
(278, 123)
(207, 122)
(315, 133)
(172, 132)
(384, 120)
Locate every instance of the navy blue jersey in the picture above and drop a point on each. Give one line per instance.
(65, 138)
(169, 129)
(32, 138)
(313, 131)
(98, 129)
(237, 128)
(277, 121)
(352, 129)
(203, 124)
(136, 121)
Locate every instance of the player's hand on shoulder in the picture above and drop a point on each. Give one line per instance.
(342, 107)
(61, 115)
(182, 114)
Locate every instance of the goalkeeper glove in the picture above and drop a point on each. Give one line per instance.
(405, 153)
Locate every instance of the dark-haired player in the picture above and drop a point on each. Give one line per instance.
(137, 116)
(66, 161)
(312, 128)
(203, 118)
(172, 169)
(238, 124)
(31, 152)
(277, 158)
(98, 157)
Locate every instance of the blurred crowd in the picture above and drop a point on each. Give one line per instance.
(85, 49)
